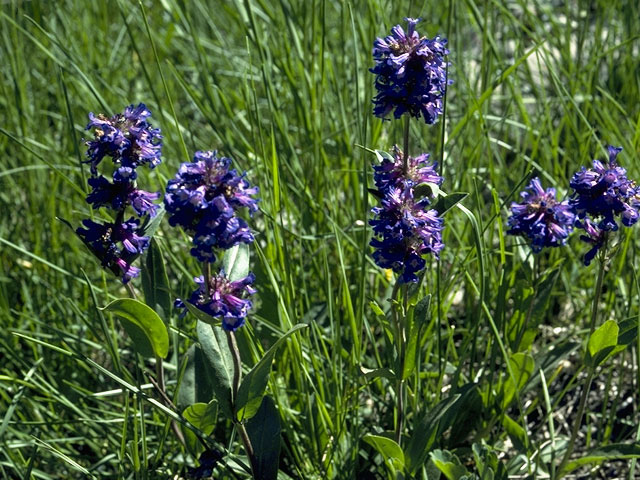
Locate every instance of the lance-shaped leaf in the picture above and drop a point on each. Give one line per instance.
(143, 325)
(254, 383)
(219, 361)
(264, 433)
(203, 416)
(155, 283)
(389, 449)
(602, 342)
(236, 262)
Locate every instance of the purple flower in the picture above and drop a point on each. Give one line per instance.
(116, 245)
(604, 192)
(594, 236)
(225, 299)
(119, 194)
(411, 74)
(204, 198)
(391, 173)
(126, 137)
(406, 229)
(541, 218)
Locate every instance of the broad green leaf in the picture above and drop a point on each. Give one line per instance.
(236, 262)
(602, 342)
(389, 449)
(418, 319)
(516, 433)
(427, 189)
(448, 201)
(196, 385)
(448, 464)
(143, 325)
(202, 316)
(425, 433)
(522, 366)
(203, 416)
(254, 383)
(264, 433)
(616, 451)
(628, 331)
(155, 282)
(219, 361)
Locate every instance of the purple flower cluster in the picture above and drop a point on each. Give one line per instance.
(601, 194)
(224, 299)
(103, 240)
(126, 137)
(541, 218)
(406, 228)
(411, 74)
(130, 141)
(204, 197)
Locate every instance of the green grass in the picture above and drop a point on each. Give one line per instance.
(283, 88)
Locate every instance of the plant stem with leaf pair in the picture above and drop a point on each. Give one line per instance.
(237, 376)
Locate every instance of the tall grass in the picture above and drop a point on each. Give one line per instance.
(283, 87)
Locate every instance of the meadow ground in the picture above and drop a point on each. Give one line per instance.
(540, 88)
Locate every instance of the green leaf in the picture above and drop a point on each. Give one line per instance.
(196, 384)
(254, 383)
(370, 374)
(236, 262)
(616, 451)
(602, 342)
(418, 319)
(516, 433)
(219, 362)
(155, 283)
(202, 316)
(628, 331)
(143, 325)
(382, 155)
(264, 433)
(448, 464)
(427, 189)
(389, 449)
(203, 416)
(522, 366)
(150, 227)
(448, 201)
(425, 433)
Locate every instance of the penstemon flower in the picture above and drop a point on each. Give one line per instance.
(406, 228)
(411, 74)
(204, 198)
(224, 299)
(130, 141)
(126, 137)
(115, 244)
(545, 221)
(605, 192)
(601, 194)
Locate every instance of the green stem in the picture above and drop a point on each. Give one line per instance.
(405, 152)
(400, 325)
(592, 370)
(237, 375)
